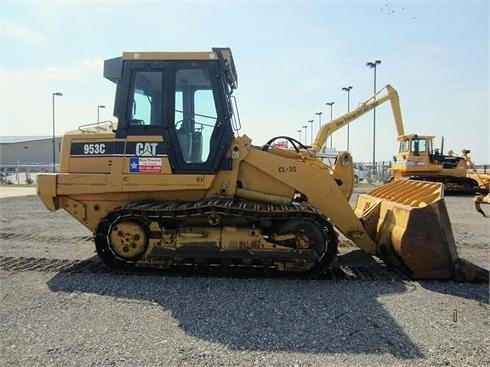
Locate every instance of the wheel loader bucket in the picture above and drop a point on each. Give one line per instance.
(409, 223)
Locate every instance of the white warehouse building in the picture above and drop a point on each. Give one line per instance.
(28, 151)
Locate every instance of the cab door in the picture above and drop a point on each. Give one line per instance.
(199, 130)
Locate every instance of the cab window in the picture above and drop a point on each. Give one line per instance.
(146, 100)
(418, 146)
(404, 145)
(195, 114)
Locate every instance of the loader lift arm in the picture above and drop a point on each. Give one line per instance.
(329, 128)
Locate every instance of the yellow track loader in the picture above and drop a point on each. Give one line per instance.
(173, 183)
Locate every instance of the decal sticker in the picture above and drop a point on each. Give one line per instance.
(118, 149)
(145, 149)
(145, 165)
(97, 149)
(409, 163)
(286, 169)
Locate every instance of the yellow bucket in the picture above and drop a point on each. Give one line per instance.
(409, 222)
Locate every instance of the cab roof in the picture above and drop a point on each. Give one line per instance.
(206, 55)
(113, 67)
(415, 136)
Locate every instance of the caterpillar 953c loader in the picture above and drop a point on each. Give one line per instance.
(174, 183)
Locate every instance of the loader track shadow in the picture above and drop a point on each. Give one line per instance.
(28, 236)
(338, 272)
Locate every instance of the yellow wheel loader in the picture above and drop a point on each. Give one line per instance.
(173, 183)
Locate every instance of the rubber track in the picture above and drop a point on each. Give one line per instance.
(96, 266)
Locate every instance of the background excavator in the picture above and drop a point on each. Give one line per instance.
(173, 183)
(326, 130)
(390, 94)
(481, 199)
(417, 159)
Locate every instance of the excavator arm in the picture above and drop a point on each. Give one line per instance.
(480, 199)
(328, 129)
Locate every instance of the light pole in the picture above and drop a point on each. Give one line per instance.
(347, 89)
(305, 127)
(59, 94)
(319, 119)
(98, 112)
(373, 65)
(331, 117)
(299, 131)
(311, 123)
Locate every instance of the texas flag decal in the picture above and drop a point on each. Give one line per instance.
(145, 165)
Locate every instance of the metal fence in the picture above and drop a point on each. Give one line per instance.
(23, 174)
(381, 172)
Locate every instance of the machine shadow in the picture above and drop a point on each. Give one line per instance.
(471, 291)
(263, 314)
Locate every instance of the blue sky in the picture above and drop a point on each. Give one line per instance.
(292, 57)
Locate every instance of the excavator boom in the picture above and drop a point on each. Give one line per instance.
(377, 99)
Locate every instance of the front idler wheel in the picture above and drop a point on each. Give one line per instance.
(121, 241)
(312, 235)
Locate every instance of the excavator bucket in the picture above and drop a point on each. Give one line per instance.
(409, 223)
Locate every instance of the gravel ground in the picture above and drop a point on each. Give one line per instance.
(88, 319)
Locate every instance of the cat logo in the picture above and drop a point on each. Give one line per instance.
(146, 149)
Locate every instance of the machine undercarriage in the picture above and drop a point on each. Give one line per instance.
(453, 185)
(226, 232)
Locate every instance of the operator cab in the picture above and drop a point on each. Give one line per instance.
(415, 145)
(423, 145)
(184, 97)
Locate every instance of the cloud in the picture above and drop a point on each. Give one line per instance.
(21, 33)
(78, 72)
(26, 96)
